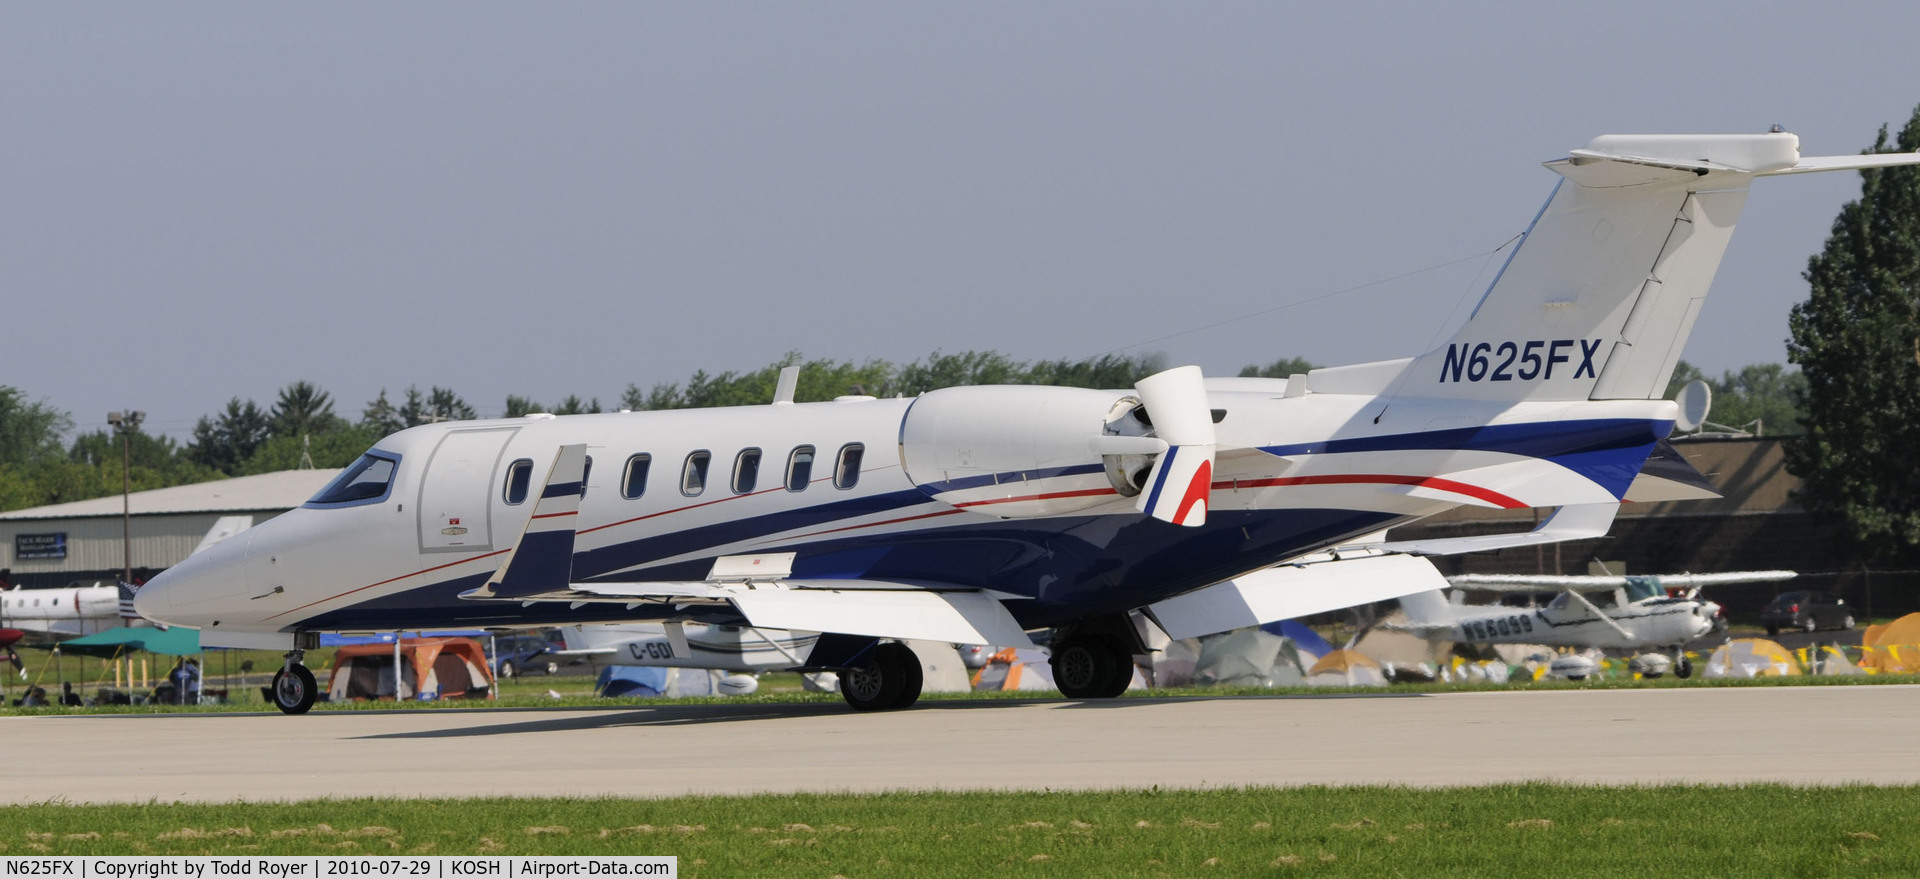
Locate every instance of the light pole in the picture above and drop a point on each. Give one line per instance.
(126, 425)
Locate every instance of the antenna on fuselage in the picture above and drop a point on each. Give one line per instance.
(789, 382)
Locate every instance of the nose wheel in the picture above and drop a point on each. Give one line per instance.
(293, 687)
(1682, 666)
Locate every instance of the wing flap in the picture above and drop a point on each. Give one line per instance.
(918, 614)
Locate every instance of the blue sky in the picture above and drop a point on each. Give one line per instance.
(218, 199)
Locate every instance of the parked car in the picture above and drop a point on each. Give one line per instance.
(1806, 610)
(518, 654)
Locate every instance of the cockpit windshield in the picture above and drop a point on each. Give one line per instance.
(365, 481)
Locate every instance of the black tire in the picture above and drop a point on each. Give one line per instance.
(294, 690)
(1084, 668)
(553, 668)
(1810, 624)
(912, 676)
(1772, 631)
(1122, 670)
(876, 685)
(1846, 622)
(1683, 668)
(506, 670)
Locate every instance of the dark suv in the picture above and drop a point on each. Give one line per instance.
(1806, 610)
(520, 654)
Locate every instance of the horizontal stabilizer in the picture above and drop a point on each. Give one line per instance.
(1667, 476)
(1289, 591)
(1571, 522)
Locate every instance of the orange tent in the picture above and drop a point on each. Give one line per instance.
(1892, 648)
(431, 668)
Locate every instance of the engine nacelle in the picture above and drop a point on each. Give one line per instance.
(1018, 451)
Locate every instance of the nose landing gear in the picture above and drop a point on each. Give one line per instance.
(293, 686)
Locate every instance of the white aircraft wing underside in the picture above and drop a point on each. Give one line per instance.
(872, 608)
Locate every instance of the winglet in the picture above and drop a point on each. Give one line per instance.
(543, 559)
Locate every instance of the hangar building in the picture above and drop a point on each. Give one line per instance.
(56, 545)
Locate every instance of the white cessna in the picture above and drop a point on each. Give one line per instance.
(1632, 613)
(974, 514)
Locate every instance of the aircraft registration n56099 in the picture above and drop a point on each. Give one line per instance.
(975, 514)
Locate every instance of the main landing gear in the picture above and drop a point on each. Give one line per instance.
(293, 687)
(1091, 666)
(889, 680)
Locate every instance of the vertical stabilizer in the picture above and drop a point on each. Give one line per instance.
(1598, 299)
(1425, 608)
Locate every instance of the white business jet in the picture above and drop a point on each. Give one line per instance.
(63, 612)
(971, 515)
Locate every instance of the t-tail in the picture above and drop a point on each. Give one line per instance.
(1597, 300)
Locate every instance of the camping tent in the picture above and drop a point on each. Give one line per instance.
(1750, 658)
(431, 668)
(1251, 657)
(1346, 668)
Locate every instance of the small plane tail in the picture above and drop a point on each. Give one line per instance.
(1599, 297)
(1425, 608)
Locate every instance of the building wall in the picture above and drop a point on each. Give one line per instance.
(95, 545)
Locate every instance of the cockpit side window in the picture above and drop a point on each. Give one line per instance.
(366, 481)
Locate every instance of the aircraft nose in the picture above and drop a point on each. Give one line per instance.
(154, 601)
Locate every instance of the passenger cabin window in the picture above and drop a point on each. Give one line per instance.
(693, 477)
(746, 471)
(364, 481)
(846, 472)
(800, 468)
(634, 483)
(519, 477)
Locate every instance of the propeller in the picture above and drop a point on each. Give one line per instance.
(1181, 483)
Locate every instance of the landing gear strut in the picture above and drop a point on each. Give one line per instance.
(293, 686)
(1091, 667)
(889, 680)
(1682, 666)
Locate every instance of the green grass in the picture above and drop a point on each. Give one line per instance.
(1527, 830)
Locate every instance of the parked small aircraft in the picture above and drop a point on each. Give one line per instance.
(64, 612)
(1630, 613)
(970, 515)
(674, 645)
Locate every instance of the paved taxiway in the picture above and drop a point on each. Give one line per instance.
(1807, 735)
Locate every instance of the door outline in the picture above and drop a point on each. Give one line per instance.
(428, 518)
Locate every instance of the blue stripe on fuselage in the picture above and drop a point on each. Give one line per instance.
(1609, 451)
